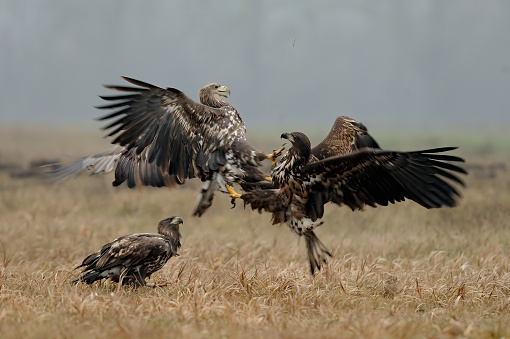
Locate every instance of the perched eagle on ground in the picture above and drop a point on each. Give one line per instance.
(132, 258)
(163, 138)
(349, 168)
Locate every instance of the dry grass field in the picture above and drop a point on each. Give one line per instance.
(397, 272)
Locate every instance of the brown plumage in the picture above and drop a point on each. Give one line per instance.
(345, 136)
(163, 138)
(349, 168)
(132, 258)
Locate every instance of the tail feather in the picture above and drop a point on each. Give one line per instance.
(88, 277)
(317, 251)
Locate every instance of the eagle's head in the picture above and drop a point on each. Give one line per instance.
(212, 93)
(170, 226)
(301, 146)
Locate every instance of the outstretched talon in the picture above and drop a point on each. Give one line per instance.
(233, 194)
(275, 155)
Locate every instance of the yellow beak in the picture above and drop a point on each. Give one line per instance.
(223, 90)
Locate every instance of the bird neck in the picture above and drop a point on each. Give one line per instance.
(169, 231)
(299, 155)
(213, 100)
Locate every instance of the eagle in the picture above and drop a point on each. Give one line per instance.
(349, 168)
(162, 138)
(130, 259)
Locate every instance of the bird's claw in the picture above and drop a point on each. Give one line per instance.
(275, 155)
(233, 194)
(279, 151)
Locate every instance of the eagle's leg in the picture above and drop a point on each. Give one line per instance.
(275, 155)
(139, 275)
(122, 275)
(233, 194)
(205, 198)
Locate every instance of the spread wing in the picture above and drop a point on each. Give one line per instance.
(179, 135)
(345, 136)
(377, 177)
(103, 162)
(130, 250)
(128, 166)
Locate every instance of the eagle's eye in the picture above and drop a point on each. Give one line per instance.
(216, 86)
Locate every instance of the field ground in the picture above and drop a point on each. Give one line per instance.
(397, 272)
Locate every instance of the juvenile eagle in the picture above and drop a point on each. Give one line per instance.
(132, 258)
(163, 138)
(349, 168)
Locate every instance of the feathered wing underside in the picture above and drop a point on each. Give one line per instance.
(103, 162)
(177, 134)
(345, 136)
(129, 167)
(268, 200)
(136, 170)
(376, 177)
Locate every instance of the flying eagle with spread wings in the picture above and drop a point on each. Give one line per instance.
(163, 137)
(349, 168)
(130, 259)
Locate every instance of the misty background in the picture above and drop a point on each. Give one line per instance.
(442, 63)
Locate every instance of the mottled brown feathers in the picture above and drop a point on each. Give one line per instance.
(345, 136)
(132, 258)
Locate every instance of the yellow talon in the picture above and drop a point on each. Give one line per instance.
(279, 151)
(233, 194)
(275, 155)
(269, 178)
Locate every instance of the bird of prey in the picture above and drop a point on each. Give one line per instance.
(349, 168)
(130, 259)
(163, 137)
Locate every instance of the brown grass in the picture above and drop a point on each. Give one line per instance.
(397, 272)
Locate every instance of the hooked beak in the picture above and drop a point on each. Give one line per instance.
(177, 220)
(287, 136)
(223, 90)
